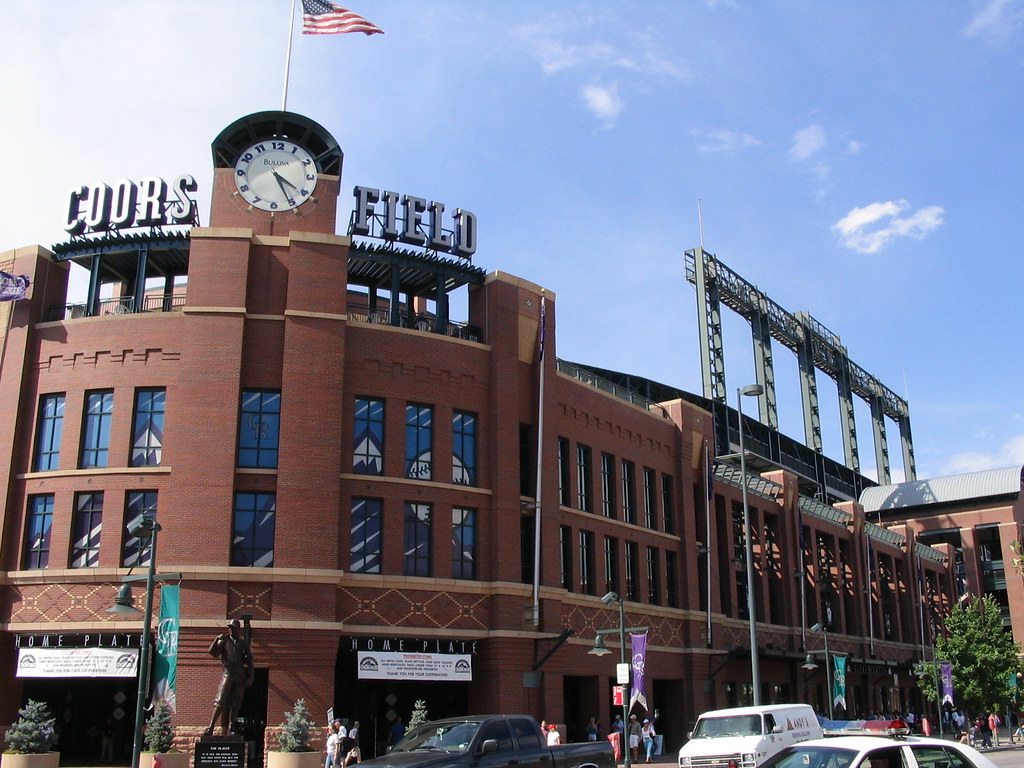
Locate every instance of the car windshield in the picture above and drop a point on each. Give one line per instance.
(811, 757)
(733, 725)
(443, 736)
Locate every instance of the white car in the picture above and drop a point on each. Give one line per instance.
(879, 752)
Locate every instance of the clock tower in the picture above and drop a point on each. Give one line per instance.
(275, 172)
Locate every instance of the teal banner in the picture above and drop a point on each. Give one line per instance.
(839, 681)
(165, 661)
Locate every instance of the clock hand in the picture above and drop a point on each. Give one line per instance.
(281, 181)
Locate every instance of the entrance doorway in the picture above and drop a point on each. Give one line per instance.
(85, 709)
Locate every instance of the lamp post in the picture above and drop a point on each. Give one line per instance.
(751, 390)
(809, 664)
(599, 649)
(145, 527)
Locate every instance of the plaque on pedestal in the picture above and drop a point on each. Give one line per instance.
(220, 752)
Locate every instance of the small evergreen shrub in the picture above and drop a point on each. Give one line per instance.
(159, 731)
(295, 730)
(419, 714)
(33, 732)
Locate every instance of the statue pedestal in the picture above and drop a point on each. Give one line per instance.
(220, 751)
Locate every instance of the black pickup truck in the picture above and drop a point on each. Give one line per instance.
(489, 741)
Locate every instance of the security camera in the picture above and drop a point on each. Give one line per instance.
(610, 598)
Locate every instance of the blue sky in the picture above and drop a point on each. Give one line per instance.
(858, 160)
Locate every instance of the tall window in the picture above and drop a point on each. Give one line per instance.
(611, 564)
(653, 576)
(368, 438)
(608, 485)
(37, 532)
(88, 522)
(48, 432)
(259, 429)
(417, 539)
(136, 550)
(671, 590)
(584, 480)
(99, 409)
(366, 533)
(148, 428)
(565, 556)
(667, 494)
(629, 492)
(632, 570)
(563, 472)
(650, 498)
(588, 576)
(463, 543)
(463, 448)
(419, 441)
(253, 541)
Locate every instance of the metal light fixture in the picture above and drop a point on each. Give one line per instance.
(829, 693)
(751, 390)
(123, 603)
(809, 663)
(599, 649)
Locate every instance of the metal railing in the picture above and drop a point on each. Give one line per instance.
(362, 313)
(121, 305)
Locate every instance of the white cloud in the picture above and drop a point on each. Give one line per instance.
(603, 101)
(1010, 453)
(721, 140)
(854, 147)
(996, 19)
(869, 229)
(806, 142)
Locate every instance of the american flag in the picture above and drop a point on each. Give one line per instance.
(323, 18)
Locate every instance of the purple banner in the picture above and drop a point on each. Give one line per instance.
(13, 287)
(946, 671)
(639, 660)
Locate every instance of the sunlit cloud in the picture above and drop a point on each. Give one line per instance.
(997, 20)
(806, 142)
(721, 140)
(603, 101)
(1010, 453)
(869, 229)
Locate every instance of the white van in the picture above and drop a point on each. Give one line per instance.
(744, 737)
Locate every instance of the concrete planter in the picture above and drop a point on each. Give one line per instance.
(164, 759)
(42, 760)
(294, 759)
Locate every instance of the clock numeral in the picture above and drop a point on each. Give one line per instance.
(277, 145)
(244, 188)
(273, 206)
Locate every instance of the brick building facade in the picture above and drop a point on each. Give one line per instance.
(327, 452)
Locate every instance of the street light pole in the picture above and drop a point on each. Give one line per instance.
(627, 689)
(599, 649)
(829, 693)
(145, 527)
(751, 390)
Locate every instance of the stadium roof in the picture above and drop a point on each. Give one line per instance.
(938, 490)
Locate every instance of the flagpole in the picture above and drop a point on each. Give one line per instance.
(540, 464)
(708, 499)
(288, 59)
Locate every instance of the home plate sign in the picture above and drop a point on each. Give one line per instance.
(396, 665)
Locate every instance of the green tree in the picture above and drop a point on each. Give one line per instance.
(159, 731)
(294, 736)
(983, 655)
(33, 732)
(419, 713)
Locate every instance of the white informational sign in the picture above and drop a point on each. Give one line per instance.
(622, 673)
(77, 662)
(385, 665)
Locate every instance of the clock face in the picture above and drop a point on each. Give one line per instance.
(275, 175)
